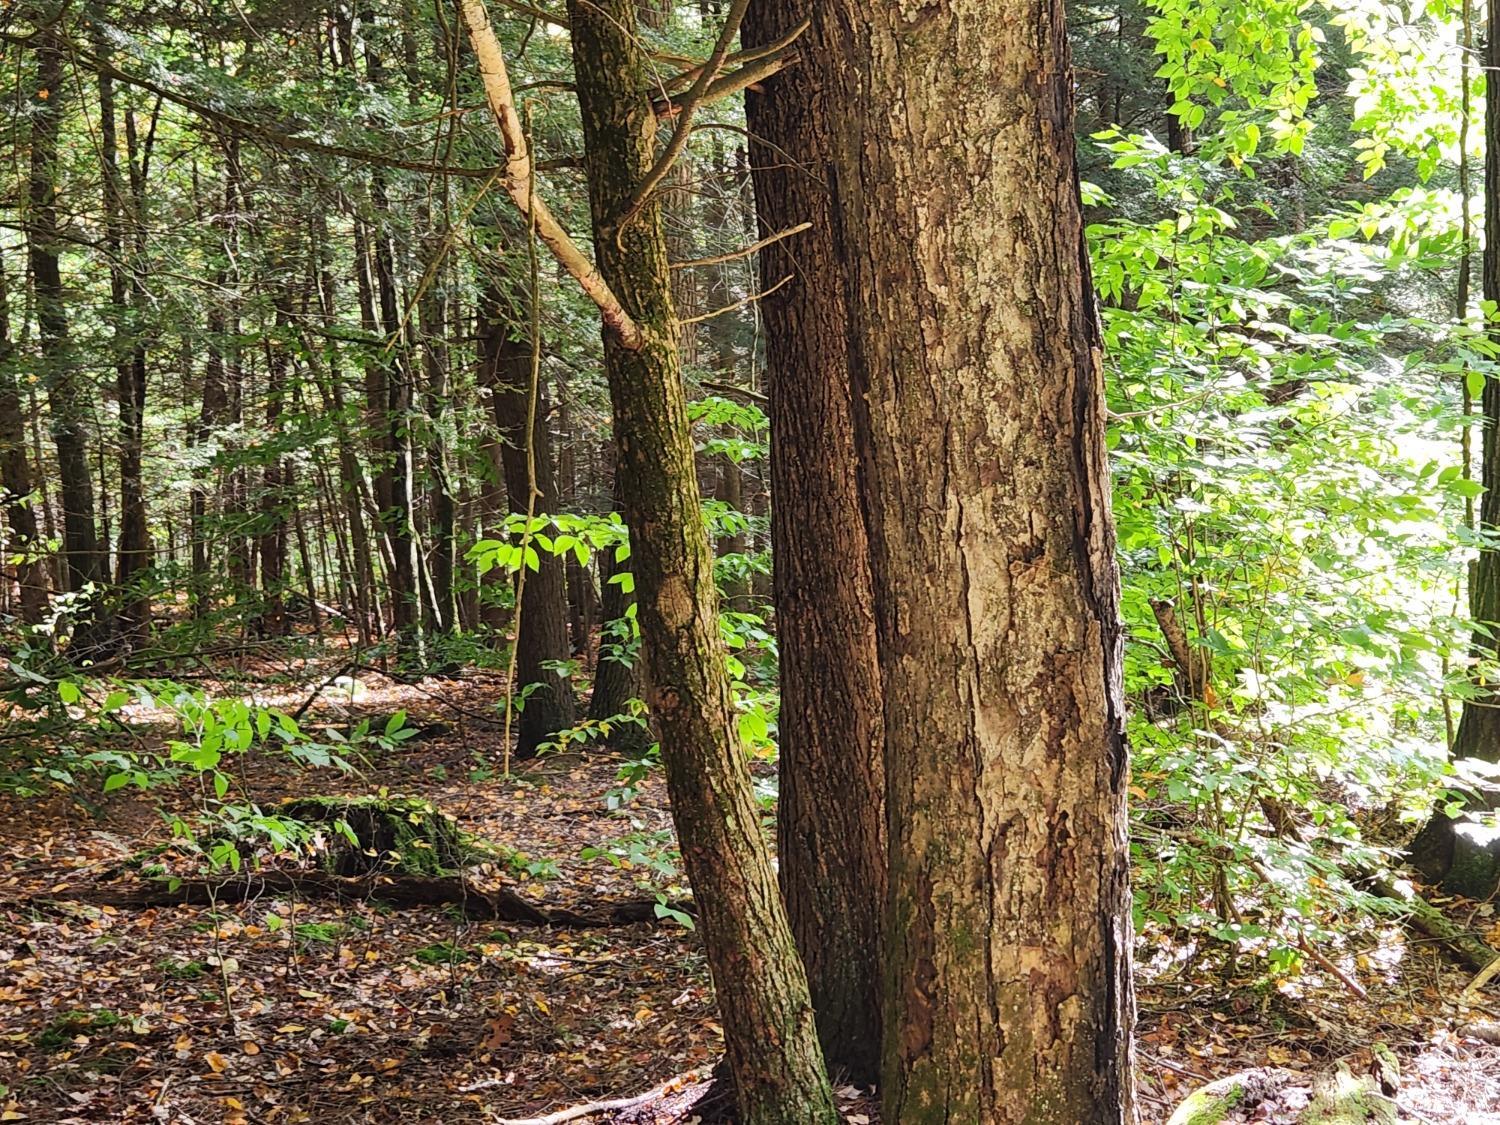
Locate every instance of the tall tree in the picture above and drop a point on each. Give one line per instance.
(526, 460)
(979, 416)
(1443, 851)
(769, 1033)
(15, 475)
(830, 823)
(67, 397)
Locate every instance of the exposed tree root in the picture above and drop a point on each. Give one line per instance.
(501, 904)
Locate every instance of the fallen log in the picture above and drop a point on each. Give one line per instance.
(477, 903)
(1423, 916)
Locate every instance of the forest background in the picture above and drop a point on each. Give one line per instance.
(309, 490)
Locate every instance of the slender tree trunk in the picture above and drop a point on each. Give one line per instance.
(583, 600)
(979, 416)
(124, 235)
(271, 540)
(1441, 852)
(15, 477)
(505, 370)
(617, 673)
(769, 1033)
(406, 597)
(831, 825)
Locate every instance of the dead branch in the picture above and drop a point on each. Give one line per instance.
(737, 305)
(684, 128)
(730, 84)
(719, 259)
(740, 59)
(519, 184)
(588, 1109)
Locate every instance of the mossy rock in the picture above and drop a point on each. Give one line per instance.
(394, 834)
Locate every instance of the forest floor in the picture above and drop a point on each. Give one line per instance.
(316, 1010)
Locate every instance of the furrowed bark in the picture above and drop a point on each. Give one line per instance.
(831, 826)
(769, 1032)
(978, 403)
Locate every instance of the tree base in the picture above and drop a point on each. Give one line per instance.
(1448, 858)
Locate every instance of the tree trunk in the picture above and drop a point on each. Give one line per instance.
(15, 477)
(271, 540)
(125, 215)
(770, 1037)
(831, 825)
(67, 397)
(978, 403)
(505, 369)
(1441, 852)
(617, 673)
(397, 510)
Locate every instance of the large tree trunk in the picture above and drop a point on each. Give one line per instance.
(67, 397)
(505, 369)
(978, 403)
(1440, 851)
(769, 1033)
(831, 827)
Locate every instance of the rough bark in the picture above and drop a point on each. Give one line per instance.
(15, 477)
(1441, 851)
(831, 829)
(978, 402)
(770, 1036)
(67, 397)
(505, 369)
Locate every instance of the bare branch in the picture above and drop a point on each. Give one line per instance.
(731, 83)
(746, 252)
(737, 305)
(729, 390)
(518, 180)
(684, 127)
(741, 58)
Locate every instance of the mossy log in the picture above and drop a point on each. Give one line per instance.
(1468, 947)
(1341, 1098)
(1346, 1099)
(1212, 1104)
(477, 903)
(387, 834)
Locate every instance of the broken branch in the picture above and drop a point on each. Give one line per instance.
(518, 178)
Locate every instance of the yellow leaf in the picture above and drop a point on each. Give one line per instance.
(216, 1062)
(250, 1048)
(541, 1004)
